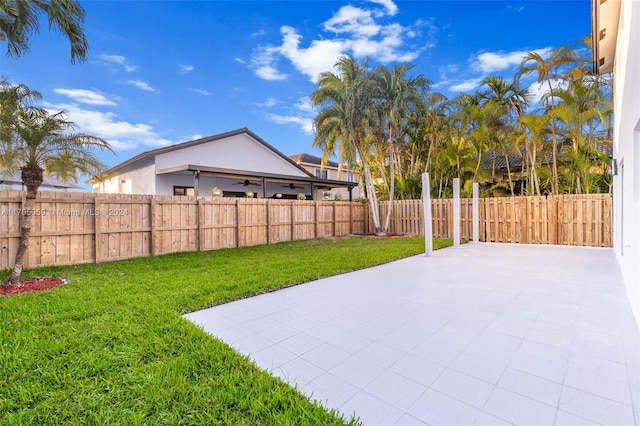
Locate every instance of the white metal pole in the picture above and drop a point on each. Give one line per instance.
(456, 212)
(428, 228)
(476, 213)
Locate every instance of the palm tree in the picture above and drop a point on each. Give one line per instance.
(38, 139)
(507, 101)
(401, 97)
(534, 128)
(19, 19)
(579, 110)
(348, 108)
(547, 71)
(12, 99)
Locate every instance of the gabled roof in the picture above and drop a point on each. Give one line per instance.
(311, 159)
(170, 148)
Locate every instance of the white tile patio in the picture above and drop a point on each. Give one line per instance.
(484, 334)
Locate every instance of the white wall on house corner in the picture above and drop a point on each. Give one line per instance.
(137, 181)
(626, 150)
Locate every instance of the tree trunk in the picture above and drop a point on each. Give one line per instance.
(554, 146)
(32, 178)
(392, 188)
(371, 192)
(509, 175)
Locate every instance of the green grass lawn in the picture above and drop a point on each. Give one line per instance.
(111, 347)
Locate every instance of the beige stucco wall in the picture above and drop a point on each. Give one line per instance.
(626, 194)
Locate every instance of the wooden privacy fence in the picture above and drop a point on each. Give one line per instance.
(579, 220)
(70, 228)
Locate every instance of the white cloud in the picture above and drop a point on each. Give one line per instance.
(202, 92)
(350, 19)
(320, 56)
(467, 85)
(267, 72)
(121, 135)
(141, 85)
(304, 104)
(258, 33)
(537, 90)
(240, 60)
(305, 123)
(357, 31)
(269, 102)
(263, 63)
(185, 68)
(84, 96)
(489, 62)
(391, 7)
(120, 60)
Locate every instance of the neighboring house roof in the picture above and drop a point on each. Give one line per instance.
(311, 159)
(495, 158)
(15, 178)
(150, 154)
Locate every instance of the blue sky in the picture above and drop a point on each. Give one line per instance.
(163, 72)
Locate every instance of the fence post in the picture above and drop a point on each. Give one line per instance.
(476, 214)
(293, 221)
(238, 222)
(96, 227)
(199, 223)
(456, 212)
(428, 228)
(316, 225)
(268, 207)
(152, 225)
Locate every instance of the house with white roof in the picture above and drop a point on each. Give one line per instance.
(239, 163)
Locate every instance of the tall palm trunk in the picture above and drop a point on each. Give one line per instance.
(506, 157)
(554, 146)
(32, 178)
(371, 191)
(392, 180)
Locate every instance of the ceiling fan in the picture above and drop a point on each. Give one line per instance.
(247, 182)
(292, 186)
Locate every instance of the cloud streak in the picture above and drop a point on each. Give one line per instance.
(89, 97)
(119, 60)
(143, 85)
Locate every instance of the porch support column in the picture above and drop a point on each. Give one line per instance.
(196, 183)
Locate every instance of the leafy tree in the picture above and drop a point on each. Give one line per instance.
(548, 71)
(401, 97)
(38, 138)
(348, 109)
(19, 19)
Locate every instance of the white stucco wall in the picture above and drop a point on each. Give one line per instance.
(626, 145)
(138, 181)
(239, 152)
